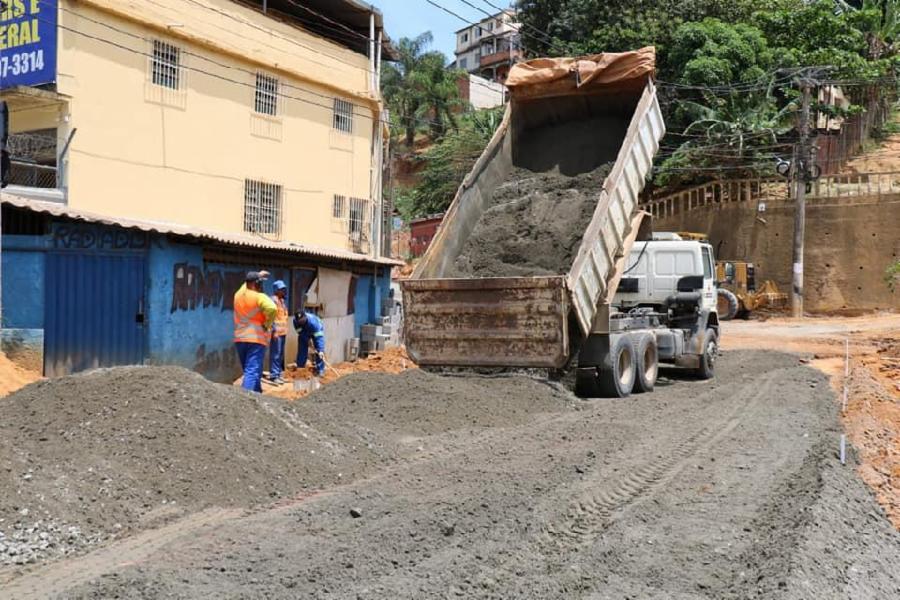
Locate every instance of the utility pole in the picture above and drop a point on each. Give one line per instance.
(802, 176)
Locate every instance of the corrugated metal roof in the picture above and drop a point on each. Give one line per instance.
(162, 227)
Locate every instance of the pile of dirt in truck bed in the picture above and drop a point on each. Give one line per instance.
(95, 455)
(533, 226)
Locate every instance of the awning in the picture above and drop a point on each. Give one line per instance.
(236, 240)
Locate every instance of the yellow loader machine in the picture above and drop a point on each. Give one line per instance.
(738, 295)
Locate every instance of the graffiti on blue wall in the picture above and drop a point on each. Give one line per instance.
(80, 236)
(194, 288)
(219, 361)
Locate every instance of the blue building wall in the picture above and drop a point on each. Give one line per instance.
(190, 309)
(188, 313)
(22, 332)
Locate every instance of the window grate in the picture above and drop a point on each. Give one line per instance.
(262, 207)
(338, 206)
(166, 65)
(343, 115)
(358, 220)
(266, 94)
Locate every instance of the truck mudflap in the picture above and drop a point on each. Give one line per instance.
(491, 322)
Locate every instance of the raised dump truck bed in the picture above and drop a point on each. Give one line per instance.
(525, 321)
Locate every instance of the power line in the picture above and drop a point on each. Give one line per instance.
(321, 16)
(204, 72)
(457, 15)
(329, 107)
(272, 33)
(190, 53)
(546, 37)
(424, 121)
(503, 11)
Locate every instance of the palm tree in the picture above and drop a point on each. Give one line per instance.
(440, 94)
(419, 89)
(401, 85)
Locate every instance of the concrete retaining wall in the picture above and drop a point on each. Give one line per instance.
(849, 244)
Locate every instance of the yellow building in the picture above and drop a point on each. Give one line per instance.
(258, 117)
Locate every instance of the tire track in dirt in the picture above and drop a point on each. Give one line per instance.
(56, 578)
(593, 511)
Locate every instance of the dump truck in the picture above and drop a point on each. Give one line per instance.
(576, 320)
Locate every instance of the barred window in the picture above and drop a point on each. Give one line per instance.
(266, 94)
(357, 219)
(166, 65)
(338, 206)
(262, 207)
(343, 115)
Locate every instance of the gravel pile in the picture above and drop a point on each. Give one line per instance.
(93, 456)
(115, 450)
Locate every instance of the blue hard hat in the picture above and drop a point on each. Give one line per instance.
(279, 285)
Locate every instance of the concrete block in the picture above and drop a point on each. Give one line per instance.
(368, 332)
(352, 349)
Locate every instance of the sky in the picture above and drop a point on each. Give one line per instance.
(409, 18)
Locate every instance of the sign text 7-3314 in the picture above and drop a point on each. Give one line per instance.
(28, 35)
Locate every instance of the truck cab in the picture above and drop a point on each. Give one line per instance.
(655, 267)
(663, 311)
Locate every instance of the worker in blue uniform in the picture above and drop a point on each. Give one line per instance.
(310, 327)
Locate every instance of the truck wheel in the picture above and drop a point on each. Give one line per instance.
(646, 359)
(727, 304)
(614, 382)
(706, 370)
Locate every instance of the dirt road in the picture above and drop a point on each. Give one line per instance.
(728, 489)
(861, 354)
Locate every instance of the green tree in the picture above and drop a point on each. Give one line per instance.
(715, 53)
(879, 20)
(446, 163)
(818, 34)
(588, 26)
(439, 94)
(738, 132)
(418, 89)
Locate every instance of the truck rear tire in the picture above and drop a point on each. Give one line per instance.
(615, 381)
(707, 367)
(646, 358)
(727, 304)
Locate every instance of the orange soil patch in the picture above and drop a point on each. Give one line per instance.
(13, 377)
(872, 414)
(884, 159)
(392, 360)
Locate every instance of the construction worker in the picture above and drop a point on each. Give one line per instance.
(279, 333)
(310, 327)
(254, 313)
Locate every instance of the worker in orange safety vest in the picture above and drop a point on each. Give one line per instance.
(254, 313)
(279, 333)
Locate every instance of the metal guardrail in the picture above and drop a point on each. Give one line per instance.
(771, 190)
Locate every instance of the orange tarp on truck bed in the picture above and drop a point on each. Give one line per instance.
(544, 77)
